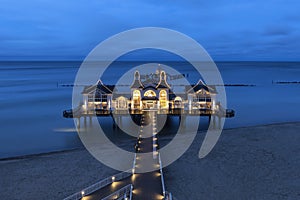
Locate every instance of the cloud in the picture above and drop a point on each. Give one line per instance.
(68, 28)
(277, 31)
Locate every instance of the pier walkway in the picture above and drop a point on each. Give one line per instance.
(148, 186)
(108, 190)
(145, 186)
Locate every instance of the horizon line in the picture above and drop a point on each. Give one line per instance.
(78, 60)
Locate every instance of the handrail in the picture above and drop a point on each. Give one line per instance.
(167, 195)
(99, 185)
(122, 193)
(134, 163)
(161, 175)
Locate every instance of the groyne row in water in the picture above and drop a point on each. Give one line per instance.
(286, 82)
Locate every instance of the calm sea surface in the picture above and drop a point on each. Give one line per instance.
(32, 100)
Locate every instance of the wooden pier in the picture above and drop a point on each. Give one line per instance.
(78, 113)
(214, 116)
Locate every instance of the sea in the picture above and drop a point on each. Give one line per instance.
(33, 96)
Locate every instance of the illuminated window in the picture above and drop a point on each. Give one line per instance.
(136, 98)
(177, 99)
(122, 102)
(150, 93)
(163, 99)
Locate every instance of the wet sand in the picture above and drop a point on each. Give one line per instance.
(261, 162)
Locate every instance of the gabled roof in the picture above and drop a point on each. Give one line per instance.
(106, 89)
(89, 89)
(137, 81)
(99, 87)
(136, 84)
(163, 81)
(201, 86)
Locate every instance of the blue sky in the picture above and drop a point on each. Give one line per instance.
(228, 30)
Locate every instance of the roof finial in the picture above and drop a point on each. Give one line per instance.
(137, 75)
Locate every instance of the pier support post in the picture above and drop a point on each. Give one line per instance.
(78, 123)
(183, 121)
(120, 122)
(214, 121)
(84, 121)
(91, 120)
(114, 123)
(219, 122)
(117, 122)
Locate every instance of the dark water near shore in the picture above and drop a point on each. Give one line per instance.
(32, 100)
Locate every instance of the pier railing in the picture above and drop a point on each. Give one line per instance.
(123, 193)
(78, 112)
(167, 195)
(100, 185)
(134, 163)
(162, 176)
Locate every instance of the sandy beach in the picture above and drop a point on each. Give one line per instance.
(260, 162)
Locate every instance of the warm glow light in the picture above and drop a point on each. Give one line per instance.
(115, 184)
(113, 178)
(82, 193)
(133, 176)
(150, 93)
(159, 196)
(136, 191)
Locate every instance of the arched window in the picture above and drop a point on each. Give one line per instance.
(178, 102)
(163, 100)
(150, 93)
(178, 98)
(122, 102)
(136, 98)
